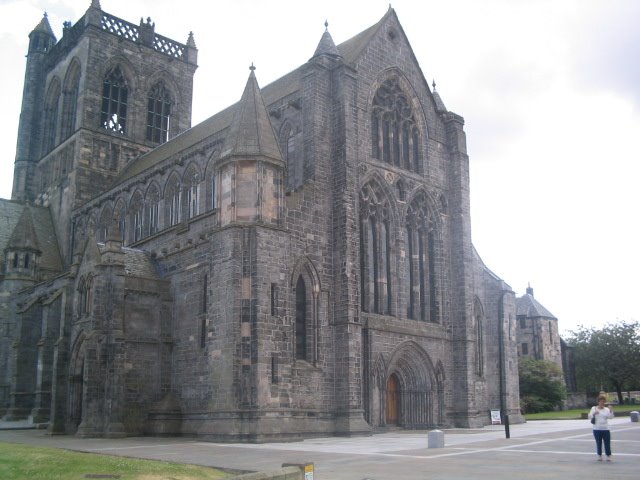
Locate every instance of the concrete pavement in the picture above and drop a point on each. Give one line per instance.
(536, 450)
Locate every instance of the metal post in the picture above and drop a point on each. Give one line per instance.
(503, 409)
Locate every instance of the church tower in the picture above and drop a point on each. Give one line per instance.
(105, 93)
(41, 40)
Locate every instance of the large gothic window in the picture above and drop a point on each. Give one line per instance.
(69, 101)
(394, 134)
(158, 113)
(375, 250)
(115, 94)
(420, 275)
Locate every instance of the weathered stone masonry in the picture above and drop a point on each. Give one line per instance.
(298, 264)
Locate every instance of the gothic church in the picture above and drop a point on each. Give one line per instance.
(298, 264)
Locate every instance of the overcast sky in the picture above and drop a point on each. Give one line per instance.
(550, 93)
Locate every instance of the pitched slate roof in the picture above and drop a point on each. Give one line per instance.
(289, 84)
(352, 48)
(530, 307)
(139, 264)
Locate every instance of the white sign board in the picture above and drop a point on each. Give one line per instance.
(495, 417)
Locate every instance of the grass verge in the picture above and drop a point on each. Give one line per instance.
(574, 414)
(28, 462)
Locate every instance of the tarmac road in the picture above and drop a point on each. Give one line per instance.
(536, 450)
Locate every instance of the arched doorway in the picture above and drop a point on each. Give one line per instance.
(393, 400)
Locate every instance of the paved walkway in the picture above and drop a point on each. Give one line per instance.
(536, 450)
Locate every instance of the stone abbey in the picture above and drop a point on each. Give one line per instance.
(298, 264)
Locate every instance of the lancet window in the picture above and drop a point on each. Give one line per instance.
(301, 319)
(102, 228)
(191, 181)
(375, 250)
(394, 133)
(69, 101)
(158, 113)
(152, 208)
(292, 152)
(51, 116)
(119, 219)
(136, 209)
(172, 201)
(115, 92)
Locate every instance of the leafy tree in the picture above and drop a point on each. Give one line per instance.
(541, 385)
(607, 358)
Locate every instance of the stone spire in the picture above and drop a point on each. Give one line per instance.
(250, 132)
(190, 40)
(44, 27)
(326, 45)
(440, 108)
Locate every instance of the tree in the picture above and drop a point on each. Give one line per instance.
(607, 359)
(541, 385)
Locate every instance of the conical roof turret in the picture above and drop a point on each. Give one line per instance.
(250, 132)
(440, 108)
(327, 45)
(24, 234)
(44, 27)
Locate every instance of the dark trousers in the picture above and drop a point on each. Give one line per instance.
(600, 436)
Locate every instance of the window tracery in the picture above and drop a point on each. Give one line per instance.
(375, 250)
(172, 201)
(421, 277)
(69, 101)
(394, 133)
(158, 113)
(152, 206)
(191, 182)
(137, 216)
(115, 92)
(51, 116)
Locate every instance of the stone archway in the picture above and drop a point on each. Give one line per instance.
(413, 394)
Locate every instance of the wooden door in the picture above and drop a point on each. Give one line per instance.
(393, 400)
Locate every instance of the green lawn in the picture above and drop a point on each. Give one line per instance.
(25, 461)
(560, 415)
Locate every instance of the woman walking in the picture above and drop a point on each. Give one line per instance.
(599, 416)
